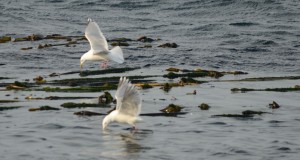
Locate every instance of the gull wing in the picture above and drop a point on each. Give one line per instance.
(95, 37)
(128, 99)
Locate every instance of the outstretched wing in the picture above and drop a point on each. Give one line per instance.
(95, 37)
(128, 98)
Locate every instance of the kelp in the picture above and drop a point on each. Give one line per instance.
(106, 71)
(245, 114)
(289, 89)
(257, 79)
(89, 113)
(192, 74)
(42, 108)
(106, 86)
(83, 105)
(3, 108)
(5, 39)
(8, 101)
(102, 80)
(17, 86)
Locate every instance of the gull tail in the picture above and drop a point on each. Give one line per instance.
(116, 55)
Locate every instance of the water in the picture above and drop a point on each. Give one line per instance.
(259, 37)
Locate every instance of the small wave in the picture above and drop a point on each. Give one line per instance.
(243, 24)
(218, 123)
(255, 49)
(265, 42)
(51, 126)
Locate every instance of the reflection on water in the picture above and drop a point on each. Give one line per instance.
(125, 144)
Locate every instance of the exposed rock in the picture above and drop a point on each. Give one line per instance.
(145, 39)
(172, 108)
(106, 98)
(204, 106)
(39, 79)
(167, 87)
(274, 105)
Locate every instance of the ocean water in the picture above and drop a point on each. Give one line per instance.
(256, 36)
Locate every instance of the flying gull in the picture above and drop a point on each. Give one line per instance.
(99, 48)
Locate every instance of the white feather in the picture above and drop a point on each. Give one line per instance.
(128, 105)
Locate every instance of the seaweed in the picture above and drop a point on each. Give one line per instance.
(4, 78)
(26, 48)
(88, 113)
(173, 69)
(102, 80)
(251, 112)
(245, 114)
(83, 105)
(56, 98)
(198, 73)
(189, 80)
(106, 86)
(119, 44)
(122, 39)
(8, 101)
(234, 115)
(146, 86)
(3, 108)
(42, 108)
(106, 71)
(257, 79)
(290, 89)
(5, 39)
(17, 85)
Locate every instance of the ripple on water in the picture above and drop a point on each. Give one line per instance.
(51, 126)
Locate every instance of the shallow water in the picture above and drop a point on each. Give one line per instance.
(259, 37)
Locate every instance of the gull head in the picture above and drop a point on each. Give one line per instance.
(106, 121)
(82, 61)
